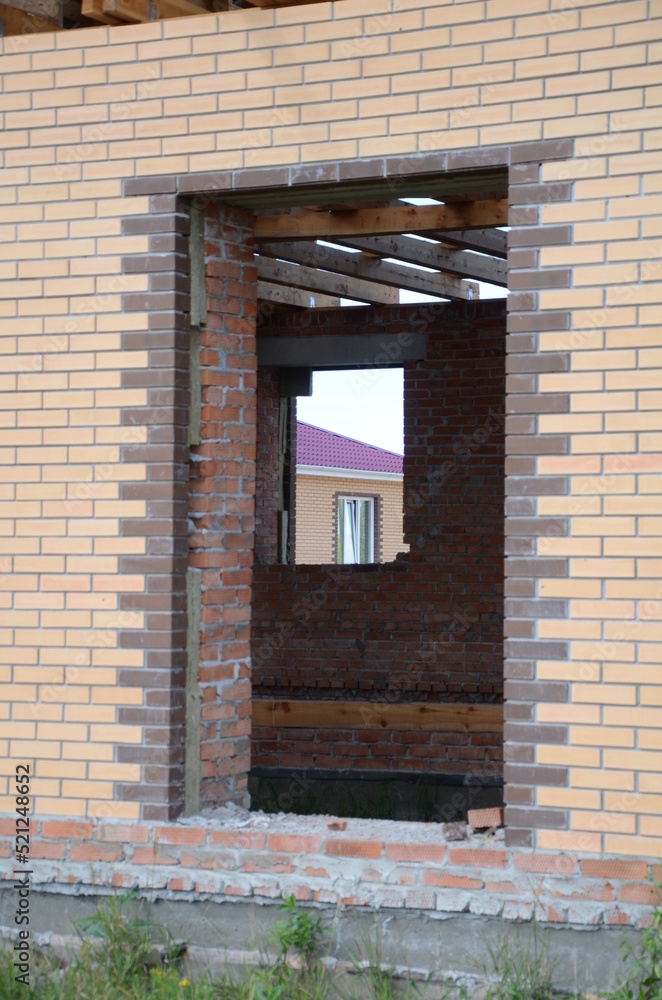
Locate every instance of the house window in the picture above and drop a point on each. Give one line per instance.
(355, 530)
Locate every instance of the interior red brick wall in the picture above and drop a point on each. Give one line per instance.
(429, 627)
(221, 503)
(266, 482)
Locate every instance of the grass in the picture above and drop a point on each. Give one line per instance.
(119, 959)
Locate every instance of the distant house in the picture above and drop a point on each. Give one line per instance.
(348, 499)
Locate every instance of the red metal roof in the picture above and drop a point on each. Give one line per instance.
(316, 446)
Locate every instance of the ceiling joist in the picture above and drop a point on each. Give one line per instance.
(358, 265)
(424, 254)
(295, 297)
(280, 273)
(141, 11)
(382, 221)
(23, 22)
(489, 241)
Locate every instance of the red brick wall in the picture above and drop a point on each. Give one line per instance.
(430, 626)
(266, 482)
(221, 490)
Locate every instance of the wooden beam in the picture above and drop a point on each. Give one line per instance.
(382, 221)
(280, 273)
(49, 10)
(140, 11)
(282, 3)
(404, 716)
(297, 298)
(21, 22)
(358, 265)
(467, 265)
(490, 241)
(93, 9)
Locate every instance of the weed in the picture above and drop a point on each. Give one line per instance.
(300, 933)
(645, 981)
(521, 972)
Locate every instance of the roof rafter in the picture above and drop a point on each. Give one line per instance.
(312, 255)
(489, 241)
(466, 265)
(281, 273)
(296, 297)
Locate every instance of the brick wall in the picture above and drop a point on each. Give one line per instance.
(317, 507)
(266, 483)
(222, 495)
(363, 865)
(430, 625)
(101, 125)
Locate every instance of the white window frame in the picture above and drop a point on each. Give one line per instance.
(370, 501)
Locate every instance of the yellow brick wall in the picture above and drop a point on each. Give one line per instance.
(316, 512)
(84, 110)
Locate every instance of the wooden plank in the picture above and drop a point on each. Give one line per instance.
(490, 241)
(458, 262)
(49, 10)
(282, 3)
(93, 9)
(403, 716)
(295, 297)
(141, 11)
(280, 273)
(21, 22)
(382, 221)
(360, 266)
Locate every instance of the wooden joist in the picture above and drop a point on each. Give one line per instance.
(22, 22)
(358, 265)
(295, 297)
(490, 241)
(49, 10)
(280, 273)
(458, 262)
(93, 10)
(403, 716)
(282, 3)
(382, 221)
(140, 11)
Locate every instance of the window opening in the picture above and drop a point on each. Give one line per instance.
(355, 539)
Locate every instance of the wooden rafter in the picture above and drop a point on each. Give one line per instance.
(465, 265)
(140, 11)
(22, 22)
(296, 297)
(49, 10)
(93, 10)
(279, 273)
(408, 716)
(281, 3)
(361, 266)
(489, 241)
(378, 221)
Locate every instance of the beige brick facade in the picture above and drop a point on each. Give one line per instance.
(570, 95)
(317, 500)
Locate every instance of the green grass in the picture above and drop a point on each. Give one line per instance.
(119, 959)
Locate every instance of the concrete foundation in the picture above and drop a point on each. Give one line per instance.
(454, 949)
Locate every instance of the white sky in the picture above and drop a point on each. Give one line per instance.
(367, 405)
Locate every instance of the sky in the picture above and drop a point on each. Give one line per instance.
(367, 405)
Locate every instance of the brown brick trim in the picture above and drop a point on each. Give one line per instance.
(161, 408)
(524, 405)
(379, 168)
(524, 605)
